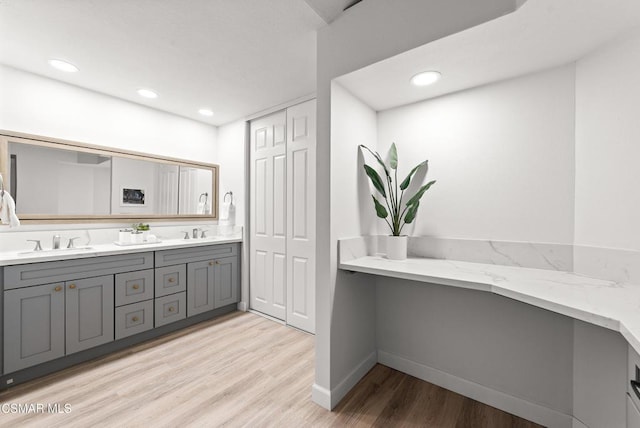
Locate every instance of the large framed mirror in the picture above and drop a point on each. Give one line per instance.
(65, 181)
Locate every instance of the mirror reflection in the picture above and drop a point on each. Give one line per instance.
(195, 190)
(143, 187)
(45, 180)
(49, 179)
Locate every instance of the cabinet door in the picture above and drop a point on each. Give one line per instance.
(200, 287)
(33, 325)
(226, 281)
(89, 312)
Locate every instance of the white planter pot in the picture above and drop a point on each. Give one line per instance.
(397, 247)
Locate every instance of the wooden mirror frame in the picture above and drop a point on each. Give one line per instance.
(7, 137)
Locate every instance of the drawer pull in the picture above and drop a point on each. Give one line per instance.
(171, 279)
(135, 286)
(171, 309)
(58, 288)
(72, 286)
(134, 319)
(635, 385)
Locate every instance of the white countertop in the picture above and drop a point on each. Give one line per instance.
(612, 305)
(23, 257)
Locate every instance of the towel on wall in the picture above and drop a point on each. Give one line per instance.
(8, 210)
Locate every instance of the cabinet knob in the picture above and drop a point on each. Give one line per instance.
(72, 286)
(211, 263)
(172, 279)
(135, 286)
(171, 309)
(57, 288)
(134, 319)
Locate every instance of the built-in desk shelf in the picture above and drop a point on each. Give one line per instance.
(604, 303)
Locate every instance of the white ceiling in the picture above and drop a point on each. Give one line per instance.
(329, 10)
(540, 35)
(235, 57)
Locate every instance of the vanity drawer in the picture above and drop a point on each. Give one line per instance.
(170, 308)
(134, 318)
(195, 254)
(170, 279)
(132, 287)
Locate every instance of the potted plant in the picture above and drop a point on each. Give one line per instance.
(393, 211)
(141, 228)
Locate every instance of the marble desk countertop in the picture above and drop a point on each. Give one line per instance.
(609, 304)
(23, 257)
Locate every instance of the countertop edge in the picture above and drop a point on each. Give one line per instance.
(99, 250)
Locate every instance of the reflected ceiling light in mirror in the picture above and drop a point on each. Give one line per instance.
(426, 78)
(205, 112)
(63, 65)
(147, 93)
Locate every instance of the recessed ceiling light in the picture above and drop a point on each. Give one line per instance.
(63, 65)
(205, 112)
(426, 78)
(147, 93)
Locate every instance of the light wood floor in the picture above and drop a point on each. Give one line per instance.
(238, 370)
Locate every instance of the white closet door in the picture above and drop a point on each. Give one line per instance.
(267, 242)
(301, 215)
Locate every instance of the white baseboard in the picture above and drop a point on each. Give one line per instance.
(321, 396)
(516, 406)
(330, 398)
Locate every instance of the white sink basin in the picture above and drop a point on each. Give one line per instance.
(50, 252)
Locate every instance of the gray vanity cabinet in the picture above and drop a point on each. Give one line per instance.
(226, 281)
(200, 290)
(212, 273)
(33, 325)
(211, 284)
(89, 312)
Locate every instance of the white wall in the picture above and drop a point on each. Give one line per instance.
(502, 155)
(37, 105)
(608, 146)
(231, 157)
(377, 31)
(233, 178)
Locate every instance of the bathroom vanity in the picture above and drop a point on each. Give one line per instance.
(62, 308)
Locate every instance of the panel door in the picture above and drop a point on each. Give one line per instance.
(268, 227)
(89, 313)
(301, 215)
(33, 325)
(226, 281)
(199, 287)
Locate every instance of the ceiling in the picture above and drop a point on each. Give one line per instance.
(235, 57)
(541, 34)
(329, 10)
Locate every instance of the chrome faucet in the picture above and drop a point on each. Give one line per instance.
(71, 243)
(195, 233)
(56, 242)
(38, 246)
(186, 235)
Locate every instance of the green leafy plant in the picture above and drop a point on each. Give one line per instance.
(393, 193)
(140, 226)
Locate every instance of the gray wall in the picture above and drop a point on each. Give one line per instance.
(493, 341)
